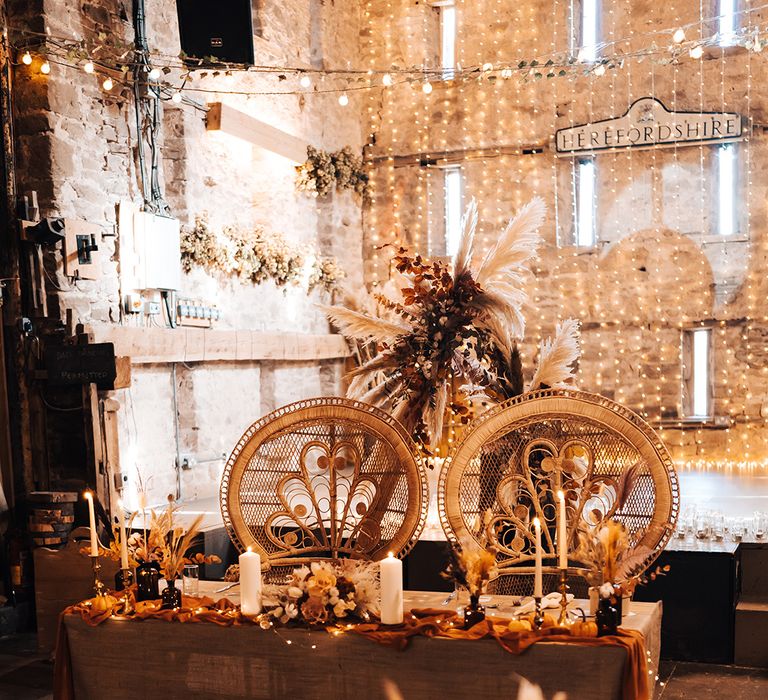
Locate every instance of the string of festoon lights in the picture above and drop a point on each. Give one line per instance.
(109, 63)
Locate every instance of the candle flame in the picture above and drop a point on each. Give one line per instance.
(390, 555)
(536, 523)
(88, 495)
(560, 495)
(249, 548)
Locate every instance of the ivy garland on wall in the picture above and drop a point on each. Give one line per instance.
(323, 172)
(256, 257)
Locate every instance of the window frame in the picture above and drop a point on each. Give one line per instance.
(691, 388)
(720, 227)
(732, 17)
(587, 53)
(578, 190)
(452, 208)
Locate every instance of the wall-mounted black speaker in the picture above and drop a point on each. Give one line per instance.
(218, 31)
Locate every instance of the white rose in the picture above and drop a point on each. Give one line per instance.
(606, 590)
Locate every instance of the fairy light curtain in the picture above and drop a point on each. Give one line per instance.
(669, 257)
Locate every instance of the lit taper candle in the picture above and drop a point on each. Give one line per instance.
(391, 585)
(537, 587)
(562, 531)
(92, 524)
(123, 538)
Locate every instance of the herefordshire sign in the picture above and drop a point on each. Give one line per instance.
(649, 123)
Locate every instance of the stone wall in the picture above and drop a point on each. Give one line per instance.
(659, 266)
(77, 147)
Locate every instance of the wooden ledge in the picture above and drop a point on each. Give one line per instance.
(164, 345)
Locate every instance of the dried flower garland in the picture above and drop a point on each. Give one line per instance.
(256, 257)
(323, 171)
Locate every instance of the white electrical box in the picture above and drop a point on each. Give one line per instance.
(156, 241)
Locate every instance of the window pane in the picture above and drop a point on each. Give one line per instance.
(448, 40)
(726, 177)
(700, 402)
(588, 30)
(585, 224)
(452, 210)
(727, 22)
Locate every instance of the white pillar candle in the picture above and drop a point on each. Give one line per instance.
(562, 531)
(537, 587)
(123, 538)
(250, 583)
(92, 523)
(391, 583)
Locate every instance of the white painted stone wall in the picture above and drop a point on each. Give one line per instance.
(77, 148)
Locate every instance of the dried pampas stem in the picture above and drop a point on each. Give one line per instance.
(557, 357)
(353, 324)
(516, 247)
(463, 257)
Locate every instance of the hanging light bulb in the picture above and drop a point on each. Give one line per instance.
(343, 100)
(88, 67)
(26, 59)
(176, 98)
(305, 81)
(426, 87)
(387, 80)
(600, 70)
(506, 73)
(108, 84)
(45, 68)
(696, 52)
(679, 36)
(154, 74)
(487, 67)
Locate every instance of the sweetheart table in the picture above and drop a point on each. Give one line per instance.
(152, 658)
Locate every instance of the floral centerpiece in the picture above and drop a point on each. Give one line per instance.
(445, 336)
(325, 593)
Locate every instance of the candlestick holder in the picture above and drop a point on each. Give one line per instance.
(538, 616)
(123, 579)
(563, 620)
(98, 586)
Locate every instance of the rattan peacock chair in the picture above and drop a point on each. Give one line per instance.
(512, 460)
(324, 478)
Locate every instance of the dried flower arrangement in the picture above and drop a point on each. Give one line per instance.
(256, 257)
(445, 336)
(471, 566)
(164, 542)
(612, 564)
(323, 171)
(325, 593)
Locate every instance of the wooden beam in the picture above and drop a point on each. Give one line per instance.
(222, 117)
(161, 345)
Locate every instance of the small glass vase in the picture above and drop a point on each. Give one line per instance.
(147, 581)
(171, 596)
(608, 617)
(473, 613)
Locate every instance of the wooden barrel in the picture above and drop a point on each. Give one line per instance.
(51, 517)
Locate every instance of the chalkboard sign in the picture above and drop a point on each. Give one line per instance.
(81, 364)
